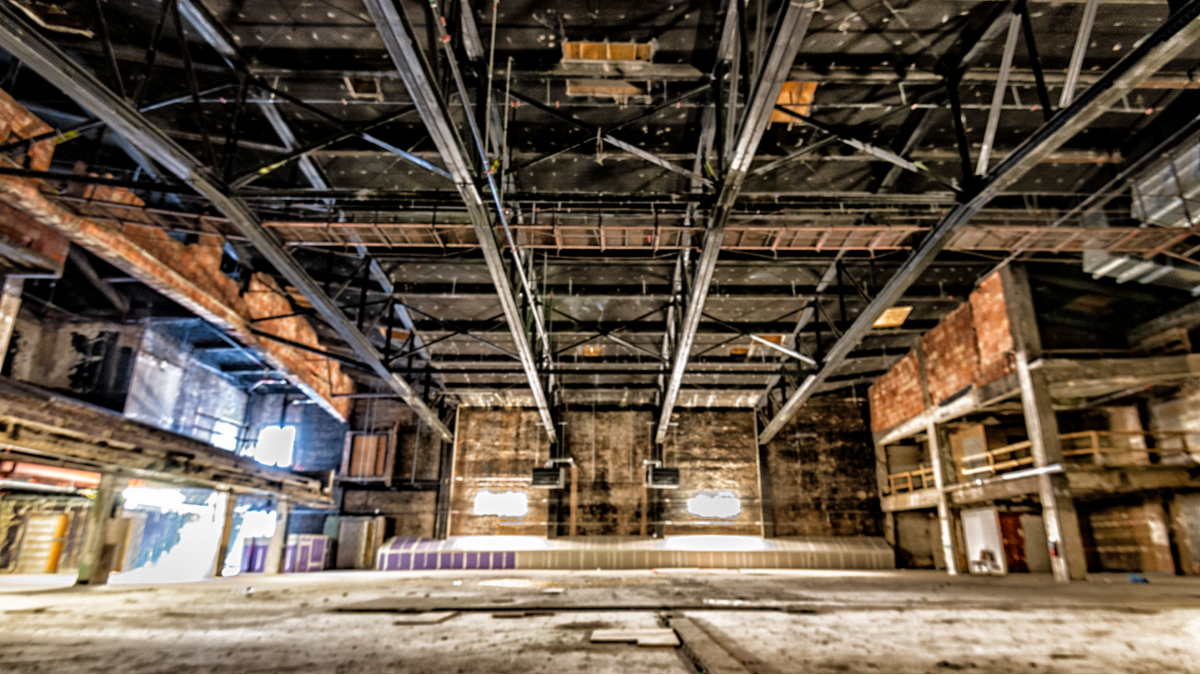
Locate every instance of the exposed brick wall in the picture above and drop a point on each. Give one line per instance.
(971, 345)
(188, 274)
(896, 395)
(17, 123)
(993, 334)
(951, 359)
(25, 231)
(822, 467)
(320, 437)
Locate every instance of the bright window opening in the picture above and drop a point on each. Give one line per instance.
(224, 436)
(715, 504)
(504, 504)
(177, 537)
(275, 445)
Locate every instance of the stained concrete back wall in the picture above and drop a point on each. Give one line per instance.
(822, 469)
(417, 459)
(496, 452)
(609, 447)
(716, 452)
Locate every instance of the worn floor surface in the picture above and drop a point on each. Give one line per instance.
(769, 621)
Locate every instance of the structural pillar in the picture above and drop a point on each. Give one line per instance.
(95, 561)
(1068, 561)
(275, 550)
(881, 479)
(945, 517)
(226, 534)
(10, 306)
(1185, 545)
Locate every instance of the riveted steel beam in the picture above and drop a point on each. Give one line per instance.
(790, 29)
(403, 46)
(48, 61)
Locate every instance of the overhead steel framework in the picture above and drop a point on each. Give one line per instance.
(1177, 33)
(414, 67)
(774, 66)
(120, 115)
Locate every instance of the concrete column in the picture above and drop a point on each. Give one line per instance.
(1063, 538)
(881, 479)
(1185, 545)
(945, 517)
(226, 534)
(1065, 542)
(10, 306)
(274, 561)
(94, 561)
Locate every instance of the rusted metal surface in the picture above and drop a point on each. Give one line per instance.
(190, 275)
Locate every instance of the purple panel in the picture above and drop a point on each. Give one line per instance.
(458, 561)
(428, 544)
(405, 561)
(510, 560)
(418, 561)
(472, 561)
(260, 559)
(289, 558)
(446, 561)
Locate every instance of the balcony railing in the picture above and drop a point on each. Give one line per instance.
(1104, 448)
(908, 481)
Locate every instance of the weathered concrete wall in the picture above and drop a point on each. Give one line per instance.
(92, 360)
(609, 448)
(717, 453)
(822, 472)
(319, 436)
(496, 452)
(412, 512)
(418, 450)
(170, 390)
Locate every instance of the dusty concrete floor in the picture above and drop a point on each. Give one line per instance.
(771, 621)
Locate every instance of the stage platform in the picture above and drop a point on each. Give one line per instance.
(626, 553)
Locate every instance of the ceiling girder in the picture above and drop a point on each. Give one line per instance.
(44, 58)
(790, 30)
(403, 47)
(1175, 35)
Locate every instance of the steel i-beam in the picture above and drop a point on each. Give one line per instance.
(403, 48)
(1176, 34)
(57, 68)
(213, 33)
(785, 44)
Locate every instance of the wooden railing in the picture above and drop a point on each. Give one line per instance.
(1101, 446)
(908, 481)
(998, 460)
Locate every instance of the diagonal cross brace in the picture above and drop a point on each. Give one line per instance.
(790, 29)
(48, 61)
